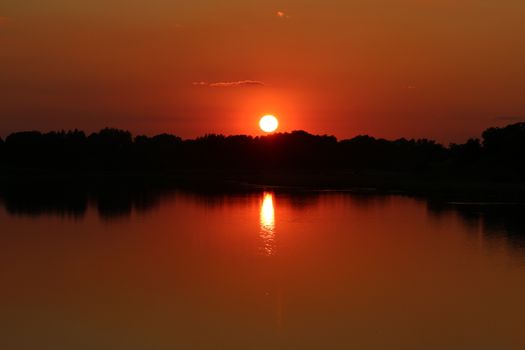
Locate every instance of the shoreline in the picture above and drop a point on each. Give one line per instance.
(364, 182)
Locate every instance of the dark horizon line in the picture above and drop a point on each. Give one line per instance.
(261, 136)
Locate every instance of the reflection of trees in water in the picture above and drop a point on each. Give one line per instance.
(218, 199)
(110, 200)
(494, 221)
(120, 200)
(240, 197)
(299, 200)
(73, 201)
(46, 200)
(367, 200)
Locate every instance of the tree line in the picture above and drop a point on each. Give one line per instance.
(498, 154)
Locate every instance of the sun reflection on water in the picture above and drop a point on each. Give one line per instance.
(267, 220)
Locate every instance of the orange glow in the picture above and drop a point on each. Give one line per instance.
(268, 123)
(149, 73)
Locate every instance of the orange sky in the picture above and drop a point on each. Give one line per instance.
(389, 68)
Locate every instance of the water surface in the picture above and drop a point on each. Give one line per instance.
(260, 271)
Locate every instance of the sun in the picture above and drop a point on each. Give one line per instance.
(268, 123)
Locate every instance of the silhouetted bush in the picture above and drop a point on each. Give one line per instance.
(158, 152)
(402, 154)
(467, 153)
(505, 147)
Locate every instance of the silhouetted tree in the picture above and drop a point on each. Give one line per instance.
(467, 153)
(505, 148)
(511, 137)
(24, 148)
(158, 152)
(110, 149)
(501, 154)
(110, 139)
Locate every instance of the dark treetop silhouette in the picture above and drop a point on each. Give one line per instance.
(492, 166)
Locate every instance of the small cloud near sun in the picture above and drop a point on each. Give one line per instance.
(282, 14)
(227, 84)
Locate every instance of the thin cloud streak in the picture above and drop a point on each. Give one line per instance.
(230, 84)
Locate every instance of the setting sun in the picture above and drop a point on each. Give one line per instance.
(268, 123)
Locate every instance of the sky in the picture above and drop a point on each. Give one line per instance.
(439, 69)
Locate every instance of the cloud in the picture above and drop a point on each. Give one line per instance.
(230, 84)
(282, 14)
(237, 83)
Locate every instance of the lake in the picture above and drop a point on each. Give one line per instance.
(320, 270)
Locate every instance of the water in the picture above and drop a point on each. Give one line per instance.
(260, 271)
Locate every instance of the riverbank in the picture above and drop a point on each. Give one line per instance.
(438, 186)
